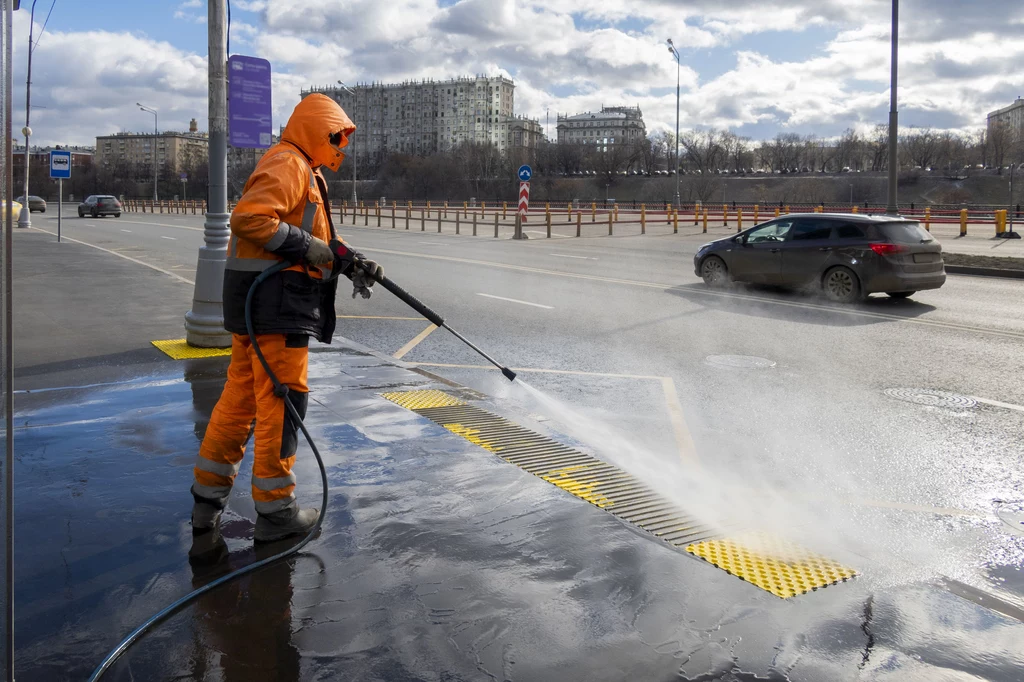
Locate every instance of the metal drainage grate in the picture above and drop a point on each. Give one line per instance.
(739, 361)
(772, 564)
(924, 396)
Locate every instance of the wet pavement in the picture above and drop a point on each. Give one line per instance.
(437, 561)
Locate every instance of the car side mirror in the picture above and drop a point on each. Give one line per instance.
(740, 240)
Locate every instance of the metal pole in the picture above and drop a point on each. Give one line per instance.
(204, 324)
(60, 204)
(8, 343)
(893, 207)
(25, 219)
(677, 126)
(156, 133)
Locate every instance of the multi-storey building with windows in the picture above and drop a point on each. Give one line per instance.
(423, 117)
(177, 150)
(610, 126)
(1011, 116)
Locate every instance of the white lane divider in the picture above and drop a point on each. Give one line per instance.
(514, 300)
(124, 230)
(173, 239)
(565, 255)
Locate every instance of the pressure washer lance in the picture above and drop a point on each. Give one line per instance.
(281, 391)
(342, 251)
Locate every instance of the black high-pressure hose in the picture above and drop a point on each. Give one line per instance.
(281, 391)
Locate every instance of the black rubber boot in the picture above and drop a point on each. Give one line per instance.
(285, 523)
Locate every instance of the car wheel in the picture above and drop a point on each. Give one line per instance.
(841, 285)
(117, 215)
(714, 272)
(80, 214)
(900, 294)
(94, 214)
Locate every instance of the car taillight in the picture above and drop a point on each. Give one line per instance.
(887, 249)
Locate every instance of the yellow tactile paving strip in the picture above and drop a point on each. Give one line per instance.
(782, 568)
(180, 350)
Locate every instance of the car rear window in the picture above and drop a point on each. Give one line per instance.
(906, 232)
(851, 231)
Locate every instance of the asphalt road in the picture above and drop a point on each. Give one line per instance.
(623, 336)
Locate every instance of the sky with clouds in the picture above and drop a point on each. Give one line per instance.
(757, 67)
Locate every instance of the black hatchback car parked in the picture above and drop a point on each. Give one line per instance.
(847, 256)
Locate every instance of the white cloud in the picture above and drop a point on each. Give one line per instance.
(801, 65)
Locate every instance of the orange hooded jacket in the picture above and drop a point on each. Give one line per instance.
(283, 205)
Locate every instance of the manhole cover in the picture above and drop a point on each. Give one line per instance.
(1012, 514)
(923, 396)
(739, 361)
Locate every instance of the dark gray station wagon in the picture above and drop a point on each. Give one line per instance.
(847, 256)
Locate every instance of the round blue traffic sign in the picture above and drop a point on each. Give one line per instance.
(525, 173)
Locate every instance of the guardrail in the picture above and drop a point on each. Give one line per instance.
(739, 216)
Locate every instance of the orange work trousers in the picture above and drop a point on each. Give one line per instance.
(249, 395)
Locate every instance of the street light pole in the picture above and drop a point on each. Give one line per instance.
(352, 92)
(893, 208)
(25, 219)
(204, 324)
(675, 53)
(156, 133)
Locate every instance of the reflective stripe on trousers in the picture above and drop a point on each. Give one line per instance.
(248, 395)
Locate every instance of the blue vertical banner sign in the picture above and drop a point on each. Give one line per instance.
(249, 102)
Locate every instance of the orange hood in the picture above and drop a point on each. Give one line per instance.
(313, 121)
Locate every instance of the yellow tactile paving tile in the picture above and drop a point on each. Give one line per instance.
(419, 400)
(180, 350)
(774, 564)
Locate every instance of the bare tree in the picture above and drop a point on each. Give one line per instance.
(919, 146)
(878, 148)
(704, 150)
(848, 150)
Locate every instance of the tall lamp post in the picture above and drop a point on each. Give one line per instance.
(156, 133)
(25, 218)
(675, 53)
(353, 93)
(893, 208)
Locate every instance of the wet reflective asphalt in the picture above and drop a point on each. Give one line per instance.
(437, 561)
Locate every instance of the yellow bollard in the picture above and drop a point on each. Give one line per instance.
(675, 222)
(725, 214)
(446, 210)
(963, 222)
(1001, 221)
(643, 219)
(483, 208)
(696, 214)
(610, 222)
(705, 221)
(668, 213)
(776, 211)
(568, 211)
(504, 211)
(757, 211)
(579, 221)
(854, 210)
(739, 219)
(593, 212)
(616, 207)
(465, 209)
(928, 219)
(547, 221)
(787, 210)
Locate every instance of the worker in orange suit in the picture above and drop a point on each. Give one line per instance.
(283, 214)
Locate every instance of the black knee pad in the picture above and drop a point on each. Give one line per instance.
(290, 431)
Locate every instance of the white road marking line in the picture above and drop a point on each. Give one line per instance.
(996, 403)
(173, 239)
(121, 255)
(124, 230)
(180, 227)
(514, 300)
(565, 255)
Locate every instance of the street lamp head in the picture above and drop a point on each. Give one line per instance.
(669, 41)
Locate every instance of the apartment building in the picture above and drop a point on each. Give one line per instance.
(609, 126)
(423, 117)
(177, 150)
(1011, 116)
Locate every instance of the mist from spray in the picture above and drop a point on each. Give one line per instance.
(830, 503)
